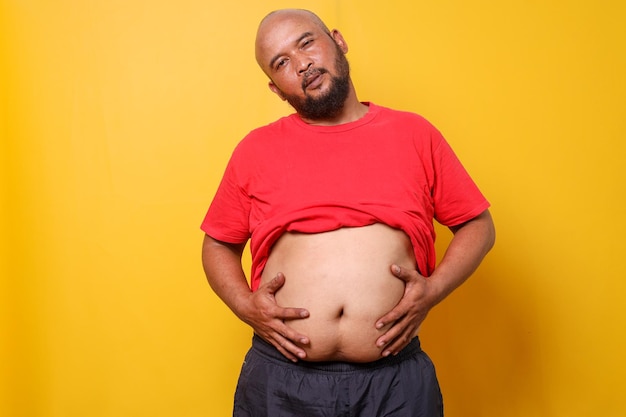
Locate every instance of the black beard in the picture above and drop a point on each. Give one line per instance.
(327, 105)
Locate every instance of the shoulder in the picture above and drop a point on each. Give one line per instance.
(409, 123)
(403, 117)
(264, 137)
(268, 131)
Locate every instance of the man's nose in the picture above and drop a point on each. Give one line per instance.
(304, 65)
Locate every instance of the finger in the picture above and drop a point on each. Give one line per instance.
(394, 315)
(292, 336)
(402, 273)
(395, 340)
(390, 335)
(285, 352)
(398, 344)
(275, 283)
(289, 349)
(292, 313)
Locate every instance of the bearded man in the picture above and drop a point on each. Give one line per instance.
(338, 200)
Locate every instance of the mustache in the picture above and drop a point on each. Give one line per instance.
(310, 74)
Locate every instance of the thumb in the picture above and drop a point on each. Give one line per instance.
(276, 283)
(400, 272)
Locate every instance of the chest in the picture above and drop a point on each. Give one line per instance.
(355, 170)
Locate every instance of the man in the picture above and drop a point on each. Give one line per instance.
(338, 200)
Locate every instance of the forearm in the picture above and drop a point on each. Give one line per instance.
(222, 266)
(471, 242)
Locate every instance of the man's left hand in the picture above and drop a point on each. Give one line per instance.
(406, 317)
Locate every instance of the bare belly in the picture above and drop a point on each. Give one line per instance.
(343, 278)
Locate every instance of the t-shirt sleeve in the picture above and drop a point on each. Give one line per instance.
(456, 197)
(228, 216)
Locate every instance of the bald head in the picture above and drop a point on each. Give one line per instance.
(273, 21)
(306, 64)
(298, 13)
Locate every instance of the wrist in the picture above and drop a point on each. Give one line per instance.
(242, 306)
(434, 291)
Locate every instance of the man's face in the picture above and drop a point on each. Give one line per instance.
(307, 66)
(325, 104)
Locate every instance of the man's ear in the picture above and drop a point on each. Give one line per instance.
(339, 40)
(276, 90)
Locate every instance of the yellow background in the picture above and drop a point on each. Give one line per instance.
(118, 117)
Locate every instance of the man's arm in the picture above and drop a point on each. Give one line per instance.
(471, 242)
(222, 266)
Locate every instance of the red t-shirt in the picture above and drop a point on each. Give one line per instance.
(388, 167)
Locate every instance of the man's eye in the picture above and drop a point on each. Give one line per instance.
(281, 63)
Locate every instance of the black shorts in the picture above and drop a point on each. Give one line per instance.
(270, 385)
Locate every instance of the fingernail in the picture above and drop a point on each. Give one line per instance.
(386, 353)
(379, 325)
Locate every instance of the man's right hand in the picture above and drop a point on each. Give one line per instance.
(267, 319)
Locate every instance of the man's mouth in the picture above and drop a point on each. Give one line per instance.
(312, 79)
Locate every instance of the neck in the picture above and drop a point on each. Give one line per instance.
(352, 110)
